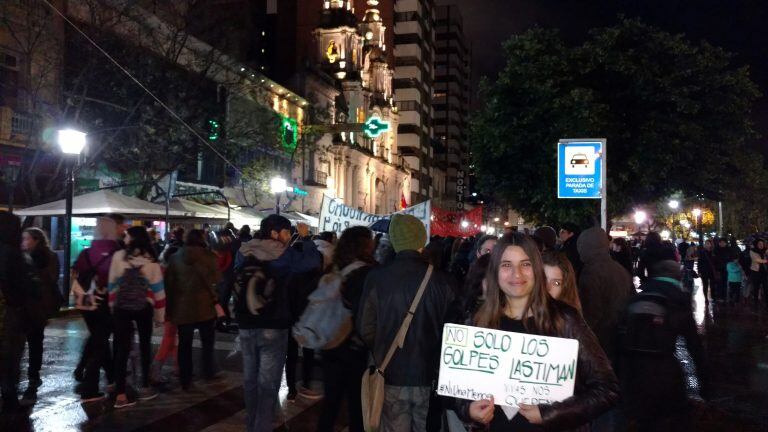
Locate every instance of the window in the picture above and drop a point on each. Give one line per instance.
(9, 80)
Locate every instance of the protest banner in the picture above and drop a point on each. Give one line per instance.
(456, 224)
(335, 216)
(514, 368)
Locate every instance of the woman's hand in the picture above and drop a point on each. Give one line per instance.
(531, 413)
(481, 411)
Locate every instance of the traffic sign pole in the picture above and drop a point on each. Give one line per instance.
(604, 188)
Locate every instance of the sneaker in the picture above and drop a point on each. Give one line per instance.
(123, 403)
(309, 393)
(147, 393)
(93, 397)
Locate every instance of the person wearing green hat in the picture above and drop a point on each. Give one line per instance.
(388, 295)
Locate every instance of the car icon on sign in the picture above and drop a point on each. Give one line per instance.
(579, 159)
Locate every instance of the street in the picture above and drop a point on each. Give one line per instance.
(736, 339)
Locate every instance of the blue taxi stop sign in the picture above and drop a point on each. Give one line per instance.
(580, 168)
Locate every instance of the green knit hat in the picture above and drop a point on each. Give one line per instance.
(406, 232)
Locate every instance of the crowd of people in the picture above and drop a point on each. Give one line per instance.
(383, 300)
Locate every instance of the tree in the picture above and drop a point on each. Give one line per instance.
(129, 131)
(676, 116)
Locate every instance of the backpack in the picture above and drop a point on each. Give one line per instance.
(326, 323)
(255, 290)
(647, 328)
(132, 293)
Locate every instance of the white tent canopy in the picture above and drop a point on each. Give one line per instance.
(196, 210)
(99, 202)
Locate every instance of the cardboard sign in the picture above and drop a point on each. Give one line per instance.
(335, 216)
(514, 368)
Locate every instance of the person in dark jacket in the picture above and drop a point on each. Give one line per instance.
(721, 256)
(622, 253)
(706, 269)
(15, 282)
(387, 296)
(604, 288)
(517, 301)
(46, 266)
(569, 236)
(547, 236)
(344, 365)
(301, 285)
(661, 403)
(653, 239)
(264, 337)
(190, 286)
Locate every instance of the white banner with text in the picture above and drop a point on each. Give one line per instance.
(514, 368)
(335, 216)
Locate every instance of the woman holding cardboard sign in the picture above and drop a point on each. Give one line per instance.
(517, 301)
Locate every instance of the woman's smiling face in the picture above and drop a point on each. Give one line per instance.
(516, 275)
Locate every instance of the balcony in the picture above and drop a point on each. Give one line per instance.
(319, 178)
(15, 126)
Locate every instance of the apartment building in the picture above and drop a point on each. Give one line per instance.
(451, 102)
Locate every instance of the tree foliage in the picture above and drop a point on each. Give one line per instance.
(676, 116)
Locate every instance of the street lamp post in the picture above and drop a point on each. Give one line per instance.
(697, 213)
(71, 143)
(278, 185)
(640, 217)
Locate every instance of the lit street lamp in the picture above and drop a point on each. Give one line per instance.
(674, 204)
(278, 185)
(697, 213)
(71, 143)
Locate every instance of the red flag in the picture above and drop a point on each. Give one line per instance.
(403, 202)
(456, 224)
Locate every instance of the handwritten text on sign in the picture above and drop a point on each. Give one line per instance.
(515, 368)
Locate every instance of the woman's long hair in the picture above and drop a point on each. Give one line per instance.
(539, 308)
(140, 243)
(41, 240)
(355, 244)
(570, 294)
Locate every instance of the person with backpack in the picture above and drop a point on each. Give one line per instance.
(45, 263)
(190, 284)
(327, 324)
(405, 294)
(653, 383)
(136, 296)
(90, 276)
(262, 311)
(300, 286)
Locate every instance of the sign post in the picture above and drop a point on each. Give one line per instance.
(582, 171)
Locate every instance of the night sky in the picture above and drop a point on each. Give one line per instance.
(739, 26)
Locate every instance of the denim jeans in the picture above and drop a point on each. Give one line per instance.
(264, 353)
(405, 409)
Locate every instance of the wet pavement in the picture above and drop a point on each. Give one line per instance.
(736, 338)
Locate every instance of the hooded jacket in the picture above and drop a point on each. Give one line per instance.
(282, 262)
(604, 288)
(190, 285)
